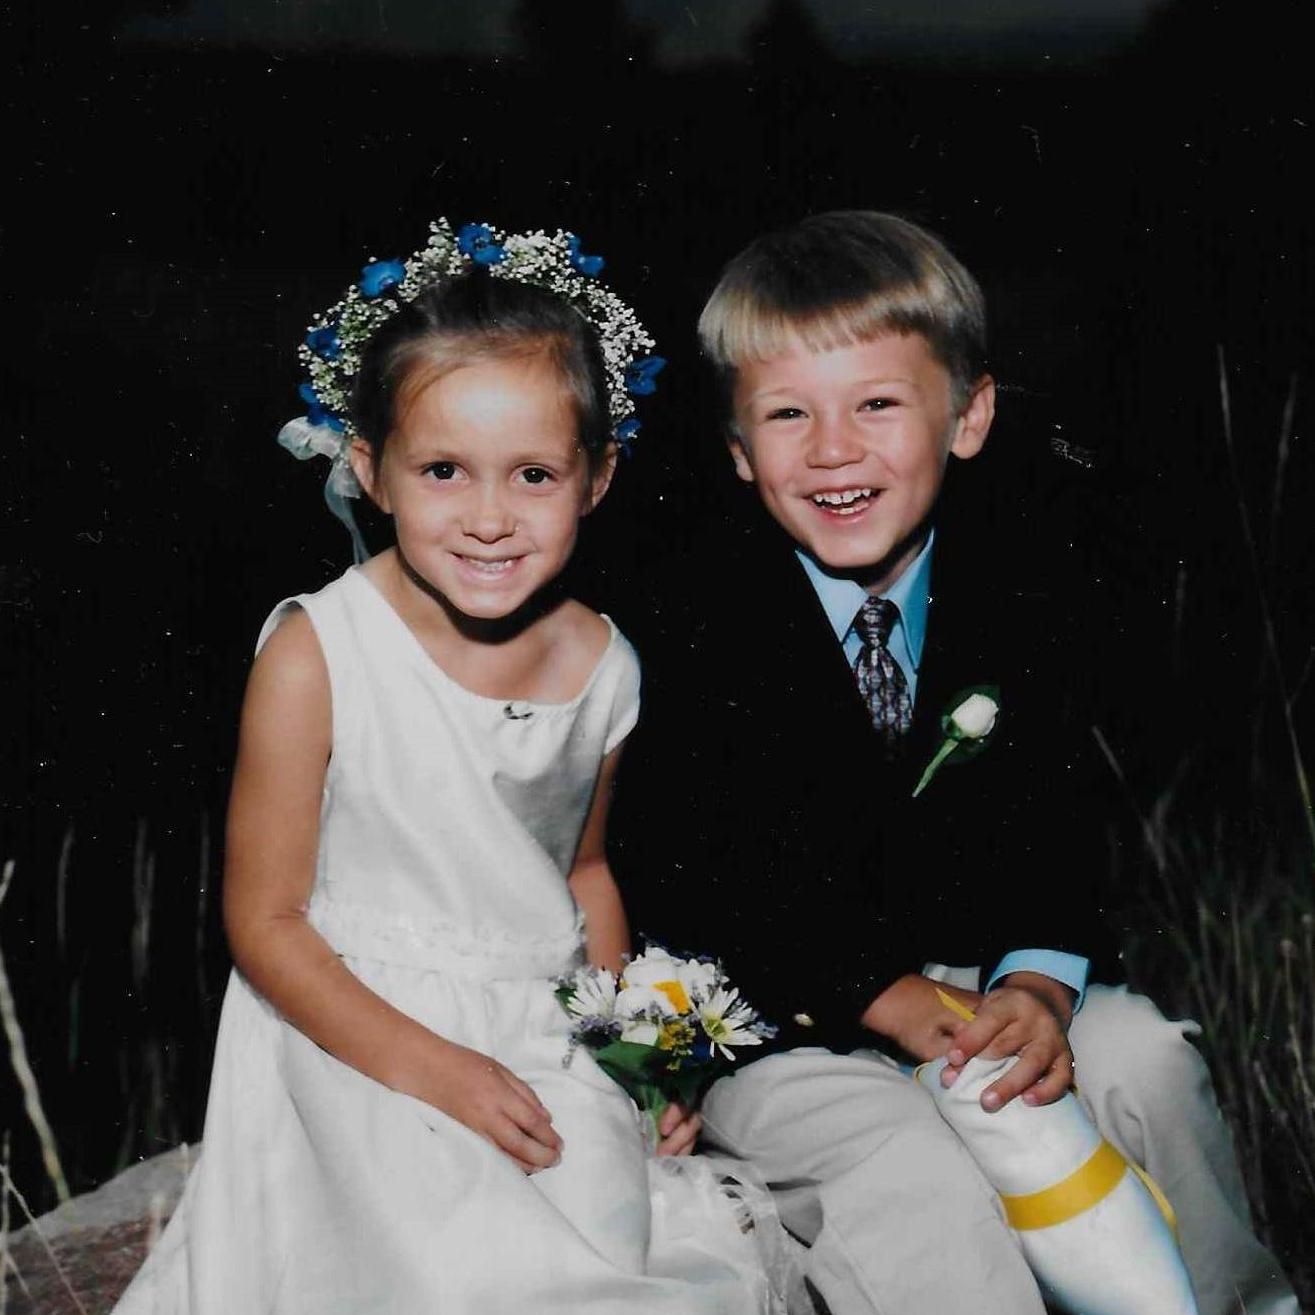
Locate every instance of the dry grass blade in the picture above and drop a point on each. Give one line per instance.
(23, 1069)
(61, 893)
(5, 1261)
(8, 1187)
(1266, 613)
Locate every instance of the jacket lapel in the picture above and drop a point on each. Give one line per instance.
(801, 680)
(957, 651)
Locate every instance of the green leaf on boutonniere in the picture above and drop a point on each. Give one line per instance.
(967, 723)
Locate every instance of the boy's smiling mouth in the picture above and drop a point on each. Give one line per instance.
(844, 502)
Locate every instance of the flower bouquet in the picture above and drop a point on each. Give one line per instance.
(662, 1030)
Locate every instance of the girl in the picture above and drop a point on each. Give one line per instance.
(415, 843)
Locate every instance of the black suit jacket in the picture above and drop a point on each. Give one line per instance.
(757, 819)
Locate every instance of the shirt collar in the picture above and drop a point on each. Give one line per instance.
(841, 598)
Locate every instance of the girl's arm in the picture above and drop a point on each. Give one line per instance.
(607, 935)
(273, 837)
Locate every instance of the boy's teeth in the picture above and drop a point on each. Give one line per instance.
(842, 499)
(490, 568)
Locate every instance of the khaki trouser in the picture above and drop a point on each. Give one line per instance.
(900, 1221)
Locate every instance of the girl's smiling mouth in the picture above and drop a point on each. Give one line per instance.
(488, 568)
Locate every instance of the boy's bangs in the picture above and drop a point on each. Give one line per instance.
(748, 332)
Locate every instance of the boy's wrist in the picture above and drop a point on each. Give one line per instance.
(1055, 995)
(888, 1013)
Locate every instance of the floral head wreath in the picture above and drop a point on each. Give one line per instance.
(331, 350)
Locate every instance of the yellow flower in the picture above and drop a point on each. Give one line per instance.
(675, 1035)
(676, 993)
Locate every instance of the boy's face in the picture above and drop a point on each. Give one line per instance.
(848, 447)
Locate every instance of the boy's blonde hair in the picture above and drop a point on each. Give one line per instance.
(845, 277)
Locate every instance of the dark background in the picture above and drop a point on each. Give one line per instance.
(187, 184)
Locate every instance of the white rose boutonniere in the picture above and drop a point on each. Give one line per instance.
(967, 724)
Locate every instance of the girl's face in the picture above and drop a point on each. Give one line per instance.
(486, 481)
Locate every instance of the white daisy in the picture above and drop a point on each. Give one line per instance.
(728, 1021)
(593, 994)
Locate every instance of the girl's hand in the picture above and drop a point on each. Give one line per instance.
(1028, 1016)
(491, 1100)
(679, 1128)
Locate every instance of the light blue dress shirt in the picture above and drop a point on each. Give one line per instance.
(841, 599)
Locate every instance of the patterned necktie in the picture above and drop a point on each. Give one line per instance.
(881, 683)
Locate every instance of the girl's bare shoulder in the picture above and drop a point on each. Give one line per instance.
(579, 637)
(583, 631)
(289, 683)
(293, 651)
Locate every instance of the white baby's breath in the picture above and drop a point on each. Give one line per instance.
(540, 258)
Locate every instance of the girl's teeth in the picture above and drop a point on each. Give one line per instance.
(490, 568)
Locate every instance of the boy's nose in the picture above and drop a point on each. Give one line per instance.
(833, 442)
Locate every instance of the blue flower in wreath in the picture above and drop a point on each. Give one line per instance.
(589, 265)
(325, 342)
(316, 412)
(379, 275)
(477, 242)
(625, 434)
(641, 375)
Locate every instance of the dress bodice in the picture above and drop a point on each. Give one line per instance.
(450, 819)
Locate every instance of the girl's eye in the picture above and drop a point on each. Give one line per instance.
(536, 475)
(877, 404)
(441, 470)
(784, 413)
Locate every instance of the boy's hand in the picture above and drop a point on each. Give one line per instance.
(679, 1128)
(1028, 1016)
(909, 1012)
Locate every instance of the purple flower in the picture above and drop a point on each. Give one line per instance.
(379, 275)
(590, 265)
(477, 242)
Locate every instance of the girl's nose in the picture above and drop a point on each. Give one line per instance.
(833, 442)
(488, 518)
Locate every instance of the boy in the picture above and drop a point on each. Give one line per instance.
(794, 689)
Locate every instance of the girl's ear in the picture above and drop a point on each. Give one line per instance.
(601, 479)
(361, 458)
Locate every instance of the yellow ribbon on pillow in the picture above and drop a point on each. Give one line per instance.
(1089, 1184)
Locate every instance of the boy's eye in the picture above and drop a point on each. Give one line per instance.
(877, 404)
(784, 413)
(536, 475)
(441, 470)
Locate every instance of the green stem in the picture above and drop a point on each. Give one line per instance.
(652, 1103)
(948, 746)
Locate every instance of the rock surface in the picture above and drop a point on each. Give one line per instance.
(98, 1241)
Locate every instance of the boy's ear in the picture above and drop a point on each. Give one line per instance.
(601, 480)
(360, 456)
(974, 422)
(739, 455)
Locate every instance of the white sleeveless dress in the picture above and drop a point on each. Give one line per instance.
(449, 823)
